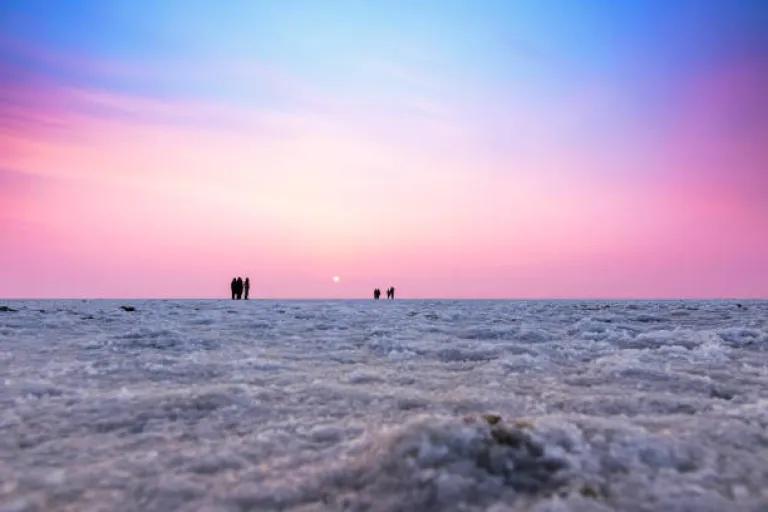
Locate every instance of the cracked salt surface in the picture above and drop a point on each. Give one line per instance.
(362, 405)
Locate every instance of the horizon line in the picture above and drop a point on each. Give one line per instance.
(319, 299)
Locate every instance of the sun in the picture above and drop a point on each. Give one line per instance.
(336, 279)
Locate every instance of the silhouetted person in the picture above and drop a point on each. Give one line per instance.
(233, 287)
(246, 288)
(239, 288)
(376, 294)
(391, 293)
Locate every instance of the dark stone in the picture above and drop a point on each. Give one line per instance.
(128, 308)
(516, 439)
(6, 309)
(551, 464)
(492, 419)
(722, 394)
(588, 491)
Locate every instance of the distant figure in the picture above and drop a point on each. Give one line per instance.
(376, 294)
(239, 288)
(391, 293)
(233, 287)
(246, 287)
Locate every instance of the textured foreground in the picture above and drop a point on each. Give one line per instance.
(258, 405)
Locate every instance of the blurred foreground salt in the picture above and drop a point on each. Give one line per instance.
(362, 405)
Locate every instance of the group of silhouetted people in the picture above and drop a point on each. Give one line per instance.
(240, 289)
(390, 293)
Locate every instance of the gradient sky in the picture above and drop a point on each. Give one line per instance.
(531, 149)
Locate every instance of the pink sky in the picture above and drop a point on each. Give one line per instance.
(464, 191)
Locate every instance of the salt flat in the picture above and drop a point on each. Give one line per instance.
(363, 405)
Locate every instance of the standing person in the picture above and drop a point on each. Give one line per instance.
(239, 288)
(247, 287)
(392, 293)
(376, 293)
(233, 287)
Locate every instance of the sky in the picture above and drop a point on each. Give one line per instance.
(456, 149)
